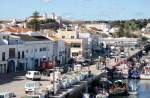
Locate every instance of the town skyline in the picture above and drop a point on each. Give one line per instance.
(77, 9)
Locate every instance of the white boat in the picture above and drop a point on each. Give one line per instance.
(86, 95)
(133, 87)
(102, 95)
(145, 75)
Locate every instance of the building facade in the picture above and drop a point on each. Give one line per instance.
(24, 52)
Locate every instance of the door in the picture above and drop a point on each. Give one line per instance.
(11, 66)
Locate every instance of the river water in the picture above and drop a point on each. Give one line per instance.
(143, 91)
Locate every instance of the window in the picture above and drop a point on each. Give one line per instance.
(74, 54)
(19, 55)
(27, 51)
(63, 37)
(35, 50)
(72, 37)
(75, 45)
(28, 73)
(1, 96)
(3, 56)
(40, 49)
(44, 49)
(11, 52)
(22, 54)
(4, 37)
(5, 70)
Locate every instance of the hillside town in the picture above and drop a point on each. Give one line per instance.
(66, 53)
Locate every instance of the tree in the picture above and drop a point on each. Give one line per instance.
(34, 23)
(144, 39)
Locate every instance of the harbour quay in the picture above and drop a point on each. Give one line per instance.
(77, 91)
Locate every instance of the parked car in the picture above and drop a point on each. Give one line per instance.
(122, 55)
(112, 55)
(7, 95)
(33, 75)
(32, 86)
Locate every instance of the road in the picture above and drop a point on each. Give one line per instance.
(15, 83)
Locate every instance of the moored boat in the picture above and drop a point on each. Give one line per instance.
(134, 74)
(119, 87)
(133, 87)
(145, 74)
(102, 95)
(102, 92)
(86, 95)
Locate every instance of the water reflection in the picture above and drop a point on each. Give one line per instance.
(143, 91)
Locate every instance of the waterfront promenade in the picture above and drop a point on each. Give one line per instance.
(15, 82)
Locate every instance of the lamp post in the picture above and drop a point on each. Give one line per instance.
(91, 57)
(99, 62)
(54, 82)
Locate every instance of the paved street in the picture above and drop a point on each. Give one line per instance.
(15, 83)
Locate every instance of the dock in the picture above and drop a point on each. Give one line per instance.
(76, 91)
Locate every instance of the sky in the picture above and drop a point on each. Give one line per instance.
(77, 9)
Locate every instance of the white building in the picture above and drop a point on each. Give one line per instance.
(88, 45)
(123, 41)
(100, 26)
(59, 49)
(23, 52)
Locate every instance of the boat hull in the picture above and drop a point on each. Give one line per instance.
(102, 96)
(145, 76)
(86, 95)
(132, 92)
(118, 93)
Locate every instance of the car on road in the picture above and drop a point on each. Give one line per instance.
(32, 86)
(33, 75)
(122, 55)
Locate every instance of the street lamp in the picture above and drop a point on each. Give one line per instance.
(91, 57)
(99, 60)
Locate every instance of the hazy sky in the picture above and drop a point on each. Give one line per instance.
(77, 9)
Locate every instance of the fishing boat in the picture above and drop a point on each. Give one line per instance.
(133, 87)
(119, 87)
(86, 95)
(134, 74)
(145, 74)
(102, 93)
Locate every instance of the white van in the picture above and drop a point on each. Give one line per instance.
(34, 75)
(32, 86)
(7, 95)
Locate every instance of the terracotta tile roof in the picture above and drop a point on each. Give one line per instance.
(95, 29)
(31, 38)
(53, 38)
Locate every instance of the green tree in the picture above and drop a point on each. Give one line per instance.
(144, 39)
(34, 23)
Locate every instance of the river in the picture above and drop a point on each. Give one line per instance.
(143, 91)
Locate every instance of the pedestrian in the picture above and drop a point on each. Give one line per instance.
(115, 59)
